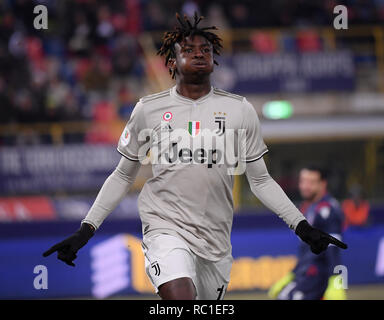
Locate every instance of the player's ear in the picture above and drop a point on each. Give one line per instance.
(172, 63)
(172, 66)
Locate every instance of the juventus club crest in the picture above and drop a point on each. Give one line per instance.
(220, 120)
(155, 265)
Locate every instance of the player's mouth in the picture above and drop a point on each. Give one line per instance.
(200, 64)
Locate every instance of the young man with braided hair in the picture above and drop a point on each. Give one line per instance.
(186, 208)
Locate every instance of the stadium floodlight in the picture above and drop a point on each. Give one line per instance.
(278, 109)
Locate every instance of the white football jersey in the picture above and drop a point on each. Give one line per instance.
(194, 147)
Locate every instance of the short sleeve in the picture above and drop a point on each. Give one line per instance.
(132, 140)
(255, 147)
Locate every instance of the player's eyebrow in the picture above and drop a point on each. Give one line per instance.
(193, 46)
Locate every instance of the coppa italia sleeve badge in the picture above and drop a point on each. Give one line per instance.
(125, 137)
(167, 116)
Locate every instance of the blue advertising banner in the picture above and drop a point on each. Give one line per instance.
(112, 265)
(39, 169)
(247, 73)
(43, 208)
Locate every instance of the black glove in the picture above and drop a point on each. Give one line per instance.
(67, 249)
(317, 239)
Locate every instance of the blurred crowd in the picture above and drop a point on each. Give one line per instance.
(89, 63)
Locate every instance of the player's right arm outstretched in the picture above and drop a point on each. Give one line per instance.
(114, 189)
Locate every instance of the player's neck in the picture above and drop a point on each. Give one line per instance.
(193, 90)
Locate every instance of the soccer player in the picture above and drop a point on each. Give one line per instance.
(313, 276)
(186, 208)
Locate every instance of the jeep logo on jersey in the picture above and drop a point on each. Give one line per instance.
(178, 146)
(198, 155)
(193, 128)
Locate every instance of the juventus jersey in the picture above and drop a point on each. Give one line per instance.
(195, 148)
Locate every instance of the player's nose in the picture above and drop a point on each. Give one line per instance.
(198, 54)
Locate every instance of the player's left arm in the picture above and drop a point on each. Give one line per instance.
(267, 190)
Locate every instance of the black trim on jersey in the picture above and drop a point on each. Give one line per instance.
(126, 156)
(248, 161)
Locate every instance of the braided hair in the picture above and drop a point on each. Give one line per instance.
(179, 33)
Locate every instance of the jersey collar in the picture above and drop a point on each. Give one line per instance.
(179, 97)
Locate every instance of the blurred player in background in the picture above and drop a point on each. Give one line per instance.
(186, 209)
(313, 277)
